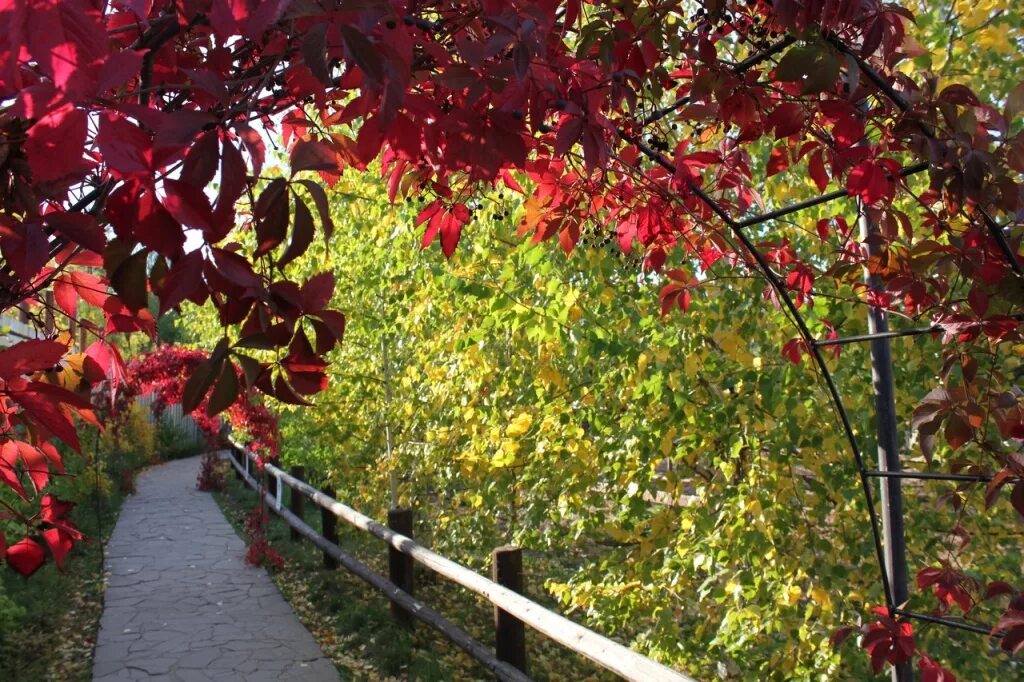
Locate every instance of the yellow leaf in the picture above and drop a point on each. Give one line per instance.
(520, 425)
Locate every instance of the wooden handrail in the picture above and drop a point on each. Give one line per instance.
(503, 671)
(603, 651)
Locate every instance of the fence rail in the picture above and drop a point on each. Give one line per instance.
(508, 603)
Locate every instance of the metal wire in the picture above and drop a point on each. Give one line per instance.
(928, 476)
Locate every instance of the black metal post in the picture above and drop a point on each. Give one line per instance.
(888, 442)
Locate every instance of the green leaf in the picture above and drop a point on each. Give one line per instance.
(814, 66)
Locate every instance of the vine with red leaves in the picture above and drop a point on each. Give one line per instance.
(260, 551)
(165, 372)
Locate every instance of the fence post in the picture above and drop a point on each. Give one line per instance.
(270, 482)
(329, 529)
(400, 565)
(237, 456)
(297, 501)
(509, 631)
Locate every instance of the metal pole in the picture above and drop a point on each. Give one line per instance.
(392, 472)
(888, 440)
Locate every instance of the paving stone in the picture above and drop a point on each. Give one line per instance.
(182, 605)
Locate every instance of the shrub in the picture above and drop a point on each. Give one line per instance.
(129, 440)
(175, 442)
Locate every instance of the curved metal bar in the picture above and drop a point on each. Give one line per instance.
(810, 344)
(904, 172)
(949, 623)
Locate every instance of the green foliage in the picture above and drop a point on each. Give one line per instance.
(173, 441)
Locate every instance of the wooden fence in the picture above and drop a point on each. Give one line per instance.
(174, 414)
(512, 611)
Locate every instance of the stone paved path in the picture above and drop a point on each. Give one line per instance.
(182, 605)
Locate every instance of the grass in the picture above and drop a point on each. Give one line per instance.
(55, 636)
(352, 621)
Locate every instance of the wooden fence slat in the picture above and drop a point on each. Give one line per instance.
(605, 652)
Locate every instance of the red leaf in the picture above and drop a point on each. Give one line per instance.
(54, 145)
(285, 393)
(317, 292)
(978, 300)
(54, 512)
(66, 297)
(182, 281)
(848, 131)
(272, 216)
(816, 168)
(933, 672)
(997, 588)
(25, 247)
(792, 350)
(9, 456)
(363, 53)
(46, 411)
(225, 392)
(778, 161)
(787, 119)
(888, 640)
(958, 432)
(79, 228)
(319, 196)
(302, 234)
(60, 544)
(314, 155)
(125, 147)
(30, 356)
(1017, 497)
(837, 638)
(451, 228)
(198, 384)
(253, 144)
(201, 161)
(335, 321)
(188, 205)
(314, 51)
(568, 134)
(25, 557)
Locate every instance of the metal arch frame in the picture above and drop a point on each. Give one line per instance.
(811, 343)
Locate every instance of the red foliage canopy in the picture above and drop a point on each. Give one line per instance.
(165, 372)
